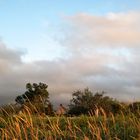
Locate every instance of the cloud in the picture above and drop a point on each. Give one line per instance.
(111, 30)
(115, 39)
(102, 53)
(8, 57)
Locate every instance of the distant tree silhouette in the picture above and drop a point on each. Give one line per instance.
(81, 102)
(36, 95)
(84, 102)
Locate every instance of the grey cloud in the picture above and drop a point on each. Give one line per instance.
(7, 54)
(8, 58)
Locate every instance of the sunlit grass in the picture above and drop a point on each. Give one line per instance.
(102, 126)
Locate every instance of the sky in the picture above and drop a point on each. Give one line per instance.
(70, 45)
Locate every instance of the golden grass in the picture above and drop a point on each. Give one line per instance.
(26, 126)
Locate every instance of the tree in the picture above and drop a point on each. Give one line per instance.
(81, 102)
(84, 102)
(36, 95)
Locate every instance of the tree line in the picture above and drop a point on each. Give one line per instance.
(36, 98)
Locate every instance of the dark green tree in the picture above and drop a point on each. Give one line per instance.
(84, 102)
(81, 102)
(35, 95)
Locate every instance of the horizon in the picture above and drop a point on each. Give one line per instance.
(69, 46)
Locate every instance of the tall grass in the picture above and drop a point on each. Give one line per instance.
(102, 126)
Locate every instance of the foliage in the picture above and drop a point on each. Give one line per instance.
(7, 110)
(135, 108)
(28, 126)
(107, 119)
(78, 110)
(84, 102)
(35, 93)
(36, 97)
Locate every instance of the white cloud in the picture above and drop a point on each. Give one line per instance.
(103, 54)
(111, 30)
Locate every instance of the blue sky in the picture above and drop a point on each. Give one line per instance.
(29, 24)
(70, 44)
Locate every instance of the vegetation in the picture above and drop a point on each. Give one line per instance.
(36, 97)
(85, 102)
(89, 117)
(26, 126)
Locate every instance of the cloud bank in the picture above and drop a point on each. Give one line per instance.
(101, 52)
